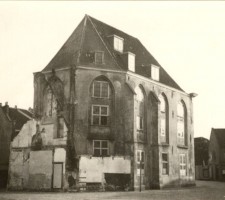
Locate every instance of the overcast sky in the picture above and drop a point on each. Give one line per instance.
(187, 38)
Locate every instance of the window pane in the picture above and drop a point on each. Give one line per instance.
(96, 144)
(164, 157)
(95, 120)
(162, 104)
(142, 156)
(163, 127)
(98, 57)
(180, 110)
(104, 152)
(104, 144)
(96, 89)
(105, 89)
(104, 120)
(96, 110)
(104, 110)
(138, 123)
(138, 156)
(97, 152)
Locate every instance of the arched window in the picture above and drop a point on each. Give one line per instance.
(181, 123)
(164, 133)
(50, 103)
(140, 108)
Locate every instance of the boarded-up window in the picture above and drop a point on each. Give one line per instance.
(181, 124)
(99, 57)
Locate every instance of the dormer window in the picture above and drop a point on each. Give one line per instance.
(99, 57)
(118, 43)
(155, 72)
(131, 62)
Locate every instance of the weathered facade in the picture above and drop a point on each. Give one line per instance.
(11, 121)
(114, 115)
(217, 154)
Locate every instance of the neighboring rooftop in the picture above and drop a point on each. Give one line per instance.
(220, 135)
(71, 52)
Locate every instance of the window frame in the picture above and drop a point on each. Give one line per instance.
(181, 121)
(138, 161)
(100, 96)
(139, 123)
(155, 72)
(99, 115)
(118, 43)
(102, 57)
(100, 148)
(165, 162)
(183, 164)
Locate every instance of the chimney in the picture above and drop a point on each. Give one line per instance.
(6, 108)
(15, 106)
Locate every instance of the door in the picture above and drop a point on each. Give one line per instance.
(57, 175)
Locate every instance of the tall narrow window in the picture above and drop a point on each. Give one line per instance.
(100, 115)
(101, 147)
(183, 164)
(163, 119)
(140, 161)
(181, 123)
(50, 103)
(155, 72)
(100, 89)
(140, 108)
(165, 164)
(118, 43)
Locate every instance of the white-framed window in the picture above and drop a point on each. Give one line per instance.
(181, 123)
(100, 147)
(140, 155)
(99, 57)
(165, 164)
(100, 89)
(155, 72)
(118, 43)
(100, 115)
(131, 62)
(139, 123)
(183, 164)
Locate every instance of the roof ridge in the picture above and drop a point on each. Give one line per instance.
(95, 28)
(112, 27)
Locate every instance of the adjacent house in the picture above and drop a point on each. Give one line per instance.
(11, 122)
(107, 115)
(201, 158)
(217, 154)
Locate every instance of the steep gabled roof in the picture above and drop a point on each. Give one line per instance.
(220, 136)
(70, 52)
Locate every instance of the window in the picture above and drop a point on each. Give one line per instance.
(100, 89)
(163, 118)
(140, 161)
(155, 72)
(183, 164)
(131, 62)
(100, 115)
(99, 57)
(118, 43)
(139, 123)
(181, 124)
(60, 131)
(51, 103)
(165, 164)
(101, 147)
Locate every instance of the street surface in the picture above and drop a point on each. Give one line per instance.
(205, 190)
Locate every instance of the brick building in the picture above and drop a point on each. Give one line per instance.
(108, 114)
(217, 154)
(11, 122)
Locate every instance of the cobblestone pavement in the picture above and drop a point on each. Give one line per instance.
(205, 190)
